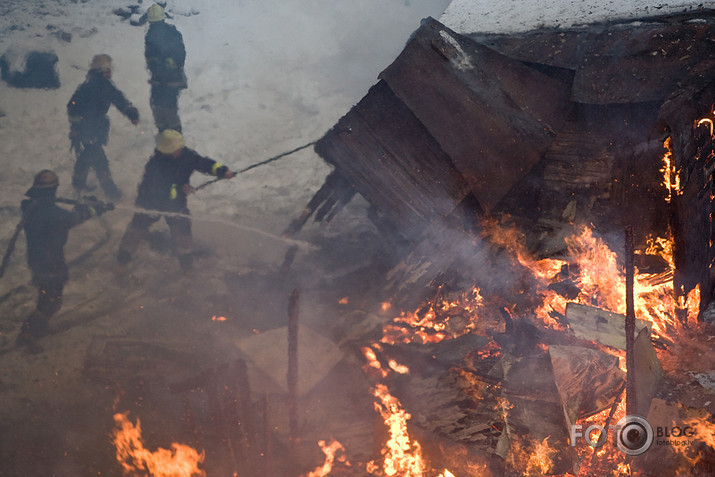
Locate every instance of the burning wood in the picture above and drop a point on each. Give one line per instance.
(331, 450)
(179, 461)
(588, 380)
(598, 325)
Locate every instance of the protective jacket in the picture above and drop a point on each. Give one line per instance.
(46, 228)
(165, 54)
(164, 178)
(88, 107)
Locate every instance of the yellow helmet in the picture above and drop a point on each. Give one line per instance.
(155, 13)
(101, 62)
(170, 141)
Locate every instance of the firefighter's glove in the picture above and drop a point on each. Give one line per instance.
(95, 206)
(75, 141)
(133, 114)
(102, 207)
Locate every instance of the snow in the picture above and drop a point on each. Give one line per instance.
(515, 16)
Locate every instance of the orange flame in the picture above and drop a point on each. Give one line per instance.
(402, 455)
(180, 461)
(435, 321)
(671, 176)
(330, 451)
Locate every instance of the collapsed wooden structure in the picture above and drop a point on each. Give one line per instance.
(549, 128)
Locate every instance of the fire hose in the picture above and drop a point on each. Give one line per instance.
(258, 164)
(18, 228)
(21, 223)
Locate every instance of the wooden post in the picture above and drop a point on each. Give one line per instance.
(293, 367)
(631, 402)
(267, 439)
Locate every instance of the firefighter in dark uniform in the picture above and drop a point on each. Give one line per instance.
(165, 54)
(164, 188)
(46, 228)
(89, 124)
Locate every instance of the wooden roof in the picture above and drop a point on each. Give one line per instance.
(619, 63)
(456, 106)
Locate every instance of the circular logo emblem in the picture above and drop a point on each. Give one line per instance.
(634, 435)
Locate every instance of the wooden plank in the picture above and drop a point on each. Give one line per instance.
(393, 162)
(601, 326)
(630, 65)
(614, 63)
(648, 373)
(588, 380)
(480, 107)
(533, 413)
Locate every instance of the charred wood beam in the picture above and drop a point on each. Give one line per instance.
(292, 377)
(631, 402)
(332, 196)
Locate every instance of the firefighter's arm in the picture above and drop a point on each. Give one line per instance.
(221, 171)
(91, 207)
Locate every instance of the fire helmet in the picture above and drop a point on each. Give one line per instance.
(45, 179)
(101, 62)
(44, 185)
(170, 141)
(155, 13)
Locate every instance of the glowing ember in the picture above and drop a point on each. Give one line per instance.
(402, 455)
(218, 318)
(397, 367)
(671, 176)
(373, 363)
(707, 121)
(330, 451)
(446, 473)
(436, 321)
(179, 461)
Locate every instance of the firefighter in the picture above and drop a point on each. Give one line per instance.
(89, 124)
(165, 54)
(47, 226)
(164, 188)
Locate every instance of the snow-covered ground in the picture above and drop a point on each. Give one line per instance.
(514, 16)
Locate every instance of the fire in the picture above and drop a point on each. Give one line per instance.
(540, 460)
(601, 281)
(373, 363)
(671, 176)
(436, 321)
(536, 457)
(330, 450)
(402, 455)
(180, 461)
(446, 473)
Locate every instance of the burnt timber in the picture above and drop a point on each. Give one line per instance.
(549, 128)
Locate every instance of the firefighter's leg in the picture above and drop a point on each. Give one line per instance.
(164, 102)
(81, 169)
(101, 168)
(180, 228)
(49, 302)
(137, 231)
